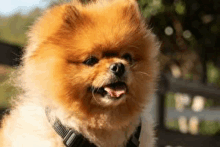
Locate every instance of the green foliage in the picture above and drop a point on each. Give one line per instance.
(209, 103)
(213, 74)
(209, 127)
(180, 7)
(13, 28)
(172, 124)
(170, 101)
(200, 18)
(150, 7)
(7, 90)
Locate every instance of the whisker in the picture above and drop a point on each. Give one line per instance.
(133, 65)
(103, 81)
(93, 95)
(144, 73)
(132, 46)
(100, 84)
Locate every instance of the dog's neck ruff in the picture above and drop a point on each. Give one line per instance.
(71, 138)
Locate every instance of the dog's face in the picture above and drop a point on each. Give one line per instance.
(94, 58)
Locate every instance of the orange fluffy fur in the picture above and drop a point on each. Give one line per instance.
(53, 75)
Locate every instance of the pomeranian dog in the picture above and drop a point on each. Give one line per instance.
(87, 77)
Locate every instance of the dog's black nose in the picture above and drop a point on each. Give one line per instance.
(118, 69)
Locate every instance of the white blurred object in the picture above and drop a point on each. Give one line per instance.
(182, 121)
(187, 34)
(207, 18)
(178, 103)
(175, 70)
(198, 103)
(185, 99)
(181, 100)
(194, 125)
(168, 30)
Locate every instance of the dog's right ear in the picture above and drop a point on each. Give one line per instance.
(71, 16)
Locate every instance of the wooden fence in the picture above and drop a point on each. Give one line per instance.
(174, 138)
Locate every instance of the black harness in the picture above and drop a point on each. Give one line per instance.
(71, 138)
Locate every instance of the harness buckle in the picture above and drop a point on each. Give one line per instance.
(72, 139)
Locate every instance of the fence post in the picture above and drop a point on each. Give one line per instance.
(161, 110)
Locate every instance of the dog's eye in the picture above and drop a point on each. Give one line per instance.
(91, 61)
(127, 57)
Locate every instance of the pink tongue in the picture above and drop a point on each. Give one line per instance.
(115, 92)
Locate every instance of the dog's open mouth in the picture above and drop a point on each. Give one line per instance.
(113, 90)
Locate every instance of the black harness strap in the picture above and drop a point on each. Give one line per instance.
(73, 139)
(134, 139)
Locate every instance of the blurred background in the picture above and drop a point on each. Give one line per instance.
(187, 104)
